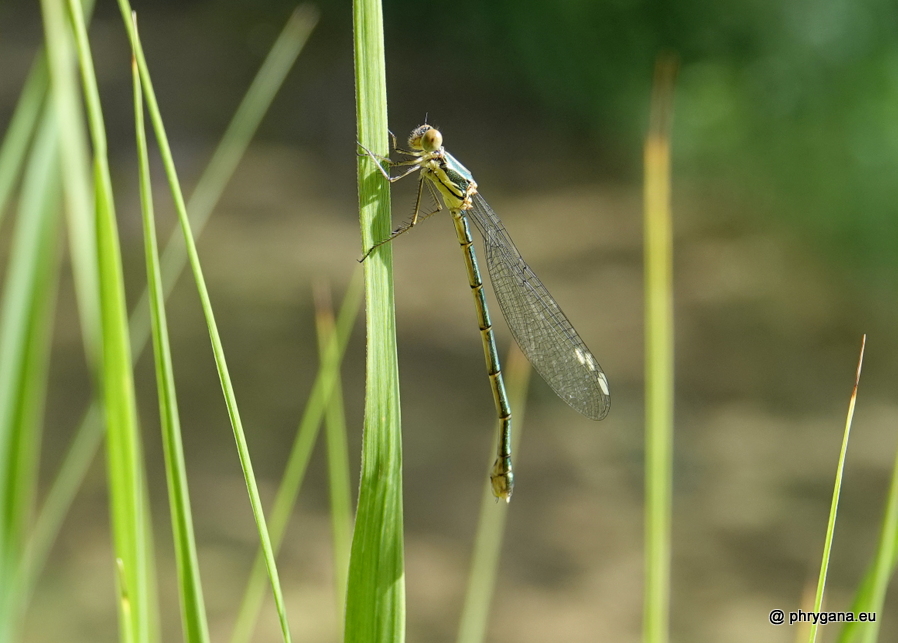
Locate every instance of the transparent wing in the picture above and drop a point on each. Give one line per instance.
(539, 327)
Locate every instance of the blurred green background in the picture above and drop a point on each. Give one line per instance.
(785, 199)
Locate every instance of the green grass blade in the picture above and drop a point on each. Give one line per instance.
(217, 349)
(193, 612)
(26, 312)
(206, 194)
(871, 594)
(322, 391)
(659, 365)
(834, 505)
(21, 128)
(491, 525)
(127, 485)
(375, 599)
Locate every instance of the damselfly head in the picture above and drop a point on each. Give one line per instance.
(425, 137)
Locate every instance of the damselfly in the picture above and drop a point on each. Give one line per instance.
(539, 327)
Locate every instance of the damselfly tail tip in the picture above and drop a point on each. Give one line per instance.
(502, 479)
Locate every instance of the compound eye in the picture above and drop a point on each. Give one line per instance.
(414, 139)
(431, 140)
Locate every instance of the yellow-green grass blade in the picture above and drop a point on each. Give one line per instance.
(659, 364)
(834, 505)
(26, 314)
(208, 313)
(205, 196)
(322, 392)
(491, 524)
(375, 598)
(193, 612)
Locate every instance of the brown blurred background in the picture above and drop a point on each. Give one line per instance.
(784, 198)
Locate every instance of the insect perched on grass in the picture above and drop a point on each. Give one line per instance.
(539, 327)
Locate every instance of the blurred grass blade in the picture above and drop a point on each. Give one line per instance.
(870, 596)
(337, 448)
(837, 490)
(659, 364)
(208, 190)
(26, 320)
(193, 611)
(127, 486)
(491, 525)
(76, 174)
(79, 455)
(375, 598)
(322, 391)
(21, 128)
(217, 349)
(227, 155)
